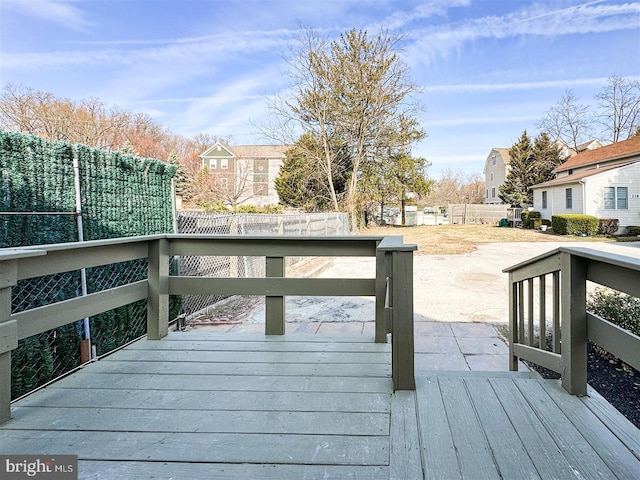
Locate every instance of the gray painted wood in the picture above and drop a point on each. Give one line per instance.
(474, 454)
(178, 401)
(576, 449)
(41, 319)
(544, 453)
(508, 451)
(227, 368)
(574, 324)
(274, 303)
(136, 418)
(98, 470)
(249, 357)
(438, 450)
(201, 447)
(150, 419)
(405, 461)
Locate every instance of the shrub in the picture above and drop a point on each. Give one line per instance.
(618, 308)
(633, 230)
(266, 209)
(607, 226)
(528, 217)
(574, 224)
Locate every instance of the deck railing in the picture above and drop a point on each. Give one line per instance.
(550, 291)
(392, 286)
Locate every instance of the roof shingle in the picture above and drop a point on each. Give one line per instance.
(615, 151)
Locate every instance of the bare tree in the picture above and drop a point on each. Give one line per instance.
(349, 93)
(620, 108)
(568, 121)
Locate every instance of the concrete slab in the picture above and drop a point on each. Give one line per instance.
(485, 345)
(340, 328)
(463, 330)
(435, 344)
(440, 361)
(436, 329)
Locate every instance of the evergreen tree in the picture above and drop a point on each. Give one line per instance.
(547, 156)
(301, 184)
(522, 173)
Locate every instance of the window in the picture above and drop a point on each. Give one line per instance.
(568, 197)
(493, 160)
(616, 198)
(224, 163)
(544, 199)
(493, 192)
(224, 183)
(213, 164)
(491, 175)
(486, 193)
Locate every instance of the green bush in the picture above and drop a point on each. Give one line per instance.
(528, 217)
(618, 308)
(574, 224)
(607, 226)
(633, 230)
(265, 209)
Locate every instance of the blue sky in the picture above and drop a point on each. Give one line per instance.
(488, 69)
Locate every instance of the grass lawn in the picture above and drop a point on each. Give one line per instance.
(455, 239)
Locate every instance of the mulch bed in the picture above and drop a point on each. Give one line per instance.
(616, 381)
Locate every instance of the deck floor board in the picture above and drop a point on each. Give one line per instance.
(243, 406)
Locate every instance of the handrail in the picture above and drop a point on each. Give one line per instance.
(572, 325)
(394, 266)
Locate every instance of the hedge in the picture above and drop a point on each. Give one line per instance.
(122, 195)
(528, 216)
(574, 224)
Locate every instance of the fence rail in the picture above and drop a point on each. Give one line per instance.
(393, 281)
(244, 266)
(533, 301)
(465, 213)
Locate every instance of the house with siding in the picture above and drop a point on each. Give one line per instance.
(247, 172)
(497, 165)
(604, 183)
(496, 169)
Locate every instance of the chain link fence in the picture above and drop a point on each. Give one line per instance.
(196, 222)
(48, 355)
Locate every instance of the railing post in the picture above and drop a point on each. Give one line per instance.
(402, 321)
(574, 324)
(274, 306)
(381, 293)
(8, 334)
(513, 322)
(158, 288)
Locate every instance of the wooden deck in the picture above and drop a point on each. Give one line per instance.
(201, 405)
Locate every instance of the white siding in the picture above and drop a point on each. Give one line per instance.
(589, 199)
(621, 177)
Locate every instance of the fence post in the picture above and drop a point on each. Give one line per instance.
(514, 336)
(158, 288)
(402, 321)
(574, 324)
(8, 334)
(381, 293)
(274, 305)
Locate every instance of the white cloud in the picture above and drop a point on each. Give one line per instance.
(56, 11)
(541, 20)
(486, 87)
